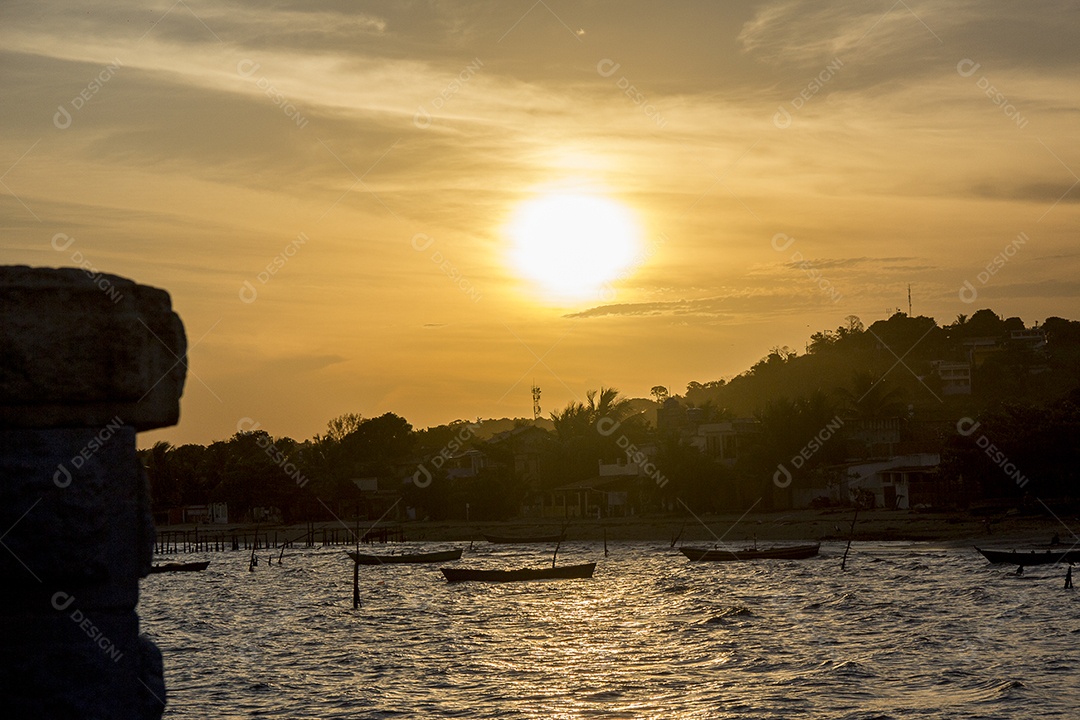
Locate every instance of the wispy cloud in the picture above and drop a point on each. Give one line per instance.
(736, 304)
(184, 171)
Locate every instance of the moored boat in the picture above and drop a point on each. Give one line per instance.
(565, 572)
(180, 567)
(1031, 557)
(790, 552)
(519, 539)
(407, 558)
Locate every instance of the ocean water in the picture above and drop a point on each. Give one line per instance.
(910, 630)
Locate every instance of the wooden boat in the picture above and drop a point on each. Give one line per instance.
(791, 552)
(508, 539)
(431, 557)
(1031, 557)
(565, 572)
(180, 567)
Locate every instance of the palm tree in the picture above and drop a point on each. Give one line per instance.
(579, 419)
(610, 404)
(584, 439)
(160, 475)
(572, 421)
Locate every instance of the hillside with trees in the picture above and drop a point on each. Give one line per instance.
(717, 448)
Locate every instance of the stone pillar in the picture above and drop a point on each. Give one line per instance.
(86, 361)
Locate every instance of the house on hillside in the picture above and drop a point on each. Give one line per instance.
(955, 377)
(597, 497)
(523, 449)
(980, 348)
(609, 494)
(872, 437)
(725, 441)
(377, 498)
(465, 464)
(671, 417)
(525, 444)
(901, 482)
(1033, 338)
(213, 513)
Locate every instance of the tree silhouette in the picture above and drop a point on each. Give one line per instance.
(579, 419)
(870, 398)
(659, 393)
(342, 425)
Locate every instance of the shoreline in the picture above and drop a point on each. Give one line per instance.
(782, 526)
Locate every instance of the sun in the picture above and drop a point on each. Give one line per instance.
(572, 245)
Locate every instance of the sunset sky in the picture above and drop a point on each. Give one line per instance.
(354, 205)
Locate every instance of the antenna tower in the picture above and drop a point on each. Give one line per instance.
(909, 300)
(536, 400)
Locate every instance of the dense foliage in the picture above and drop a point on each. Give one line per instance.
(1025, 401)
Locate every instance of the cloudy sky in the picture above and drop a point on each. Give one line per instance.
(351, 203)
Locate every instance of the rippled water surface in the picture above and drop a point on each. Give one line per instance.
(909, 630)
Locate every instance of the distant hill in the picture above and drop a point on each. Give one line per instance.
(1008, 361)
(492, 426)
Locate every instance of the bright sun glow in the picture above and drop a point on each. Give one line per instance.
(573, 245)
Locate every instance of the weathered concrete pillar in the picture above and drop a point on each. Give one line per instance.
(86, 361)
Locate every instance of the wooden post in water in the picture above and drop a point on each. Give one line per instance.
(605, 541)
(356, 583)
(285, 542)
(851, 536)
(254, 561)
(356, 564)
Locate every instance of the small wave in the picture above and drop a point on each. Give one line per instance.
(675, 589)
(735, 611)
(993, 692)
(844, 600)
(974, 592)
(852, 669)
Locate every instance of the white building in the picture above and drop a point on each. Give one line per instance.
(955, 377)
(901, 482)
